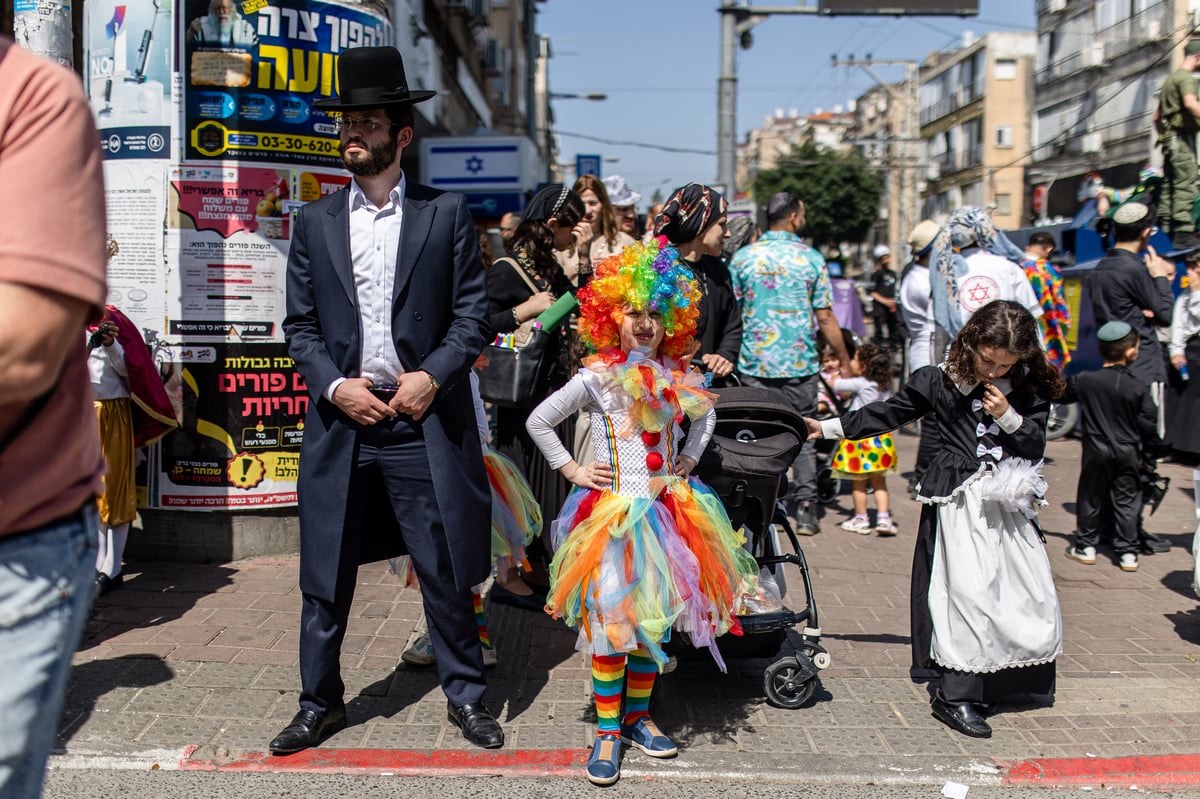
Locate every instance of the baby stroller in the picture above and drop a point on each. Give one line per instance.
(757, 437)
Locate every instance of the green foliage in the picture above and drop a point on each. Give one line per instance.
(840, 191)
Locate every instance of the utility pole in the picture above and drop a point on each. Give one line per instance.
(736, 22)
(908, 139)
(45, 27)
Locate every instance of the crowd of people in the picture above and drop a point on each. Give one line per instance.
(580, 500)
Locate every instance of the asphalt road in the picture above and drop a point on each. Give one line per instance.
(72, 784)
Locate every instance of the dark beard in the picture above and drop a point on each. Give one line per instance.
(378, 158)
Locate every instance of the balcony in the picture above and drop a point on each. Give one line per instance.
(961, 96)
(1148, 25)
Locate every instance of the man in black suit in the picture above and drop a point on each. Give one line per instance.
(386, 312)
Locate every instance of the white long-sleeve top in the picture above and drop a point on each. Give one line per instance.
(110, 375)
(1185, 321)
(625, 451)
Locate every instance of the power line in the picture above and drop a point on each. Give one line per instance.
(645, 145)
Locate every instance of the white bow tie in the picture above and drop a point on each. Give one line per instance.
(996, 452)
(976, 405)
(981, 430)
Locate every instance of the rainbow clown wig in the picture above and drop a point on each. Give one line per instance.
(647, 277)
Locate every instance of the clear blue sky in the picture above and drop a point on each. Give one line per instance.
(658, 62)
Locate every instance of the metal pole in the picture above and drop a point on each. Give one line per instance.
(727, 101)
(45, 28)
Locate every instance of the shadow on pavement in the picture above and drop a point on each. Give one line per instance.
(106, 686)
(152, 594)
(1187, 624)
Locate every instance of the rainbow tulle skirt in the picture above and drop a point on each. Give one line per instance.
(516, 514)
(516, 520)
(629, 570)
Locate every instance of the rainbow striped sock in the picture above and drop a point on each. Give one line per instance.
(608, 677)
(481, 621)
(638, 685)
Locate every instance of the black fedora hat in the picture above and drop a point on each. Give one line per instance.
(371, 77)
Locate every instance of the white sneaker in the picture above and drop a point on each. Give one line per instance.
(1129, 562)
(420, 653)
(857, 525)
(1084, 555)
(886, 527)
(490, 658)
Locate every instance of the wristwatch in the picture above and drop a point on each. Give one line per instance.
(433, 381)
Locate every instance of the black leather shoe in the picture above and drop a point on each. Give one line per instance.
(477, 723)
(961, 716)
(106, 584)
(308, 728)
(534, 602)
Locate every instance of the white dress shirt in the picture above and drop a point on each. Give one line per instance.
(110, 375)
(374, 249)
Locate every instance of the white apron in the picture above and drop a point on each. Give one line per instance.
(991, 593)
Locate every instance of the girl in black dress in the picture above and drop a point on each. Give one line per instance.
(985, 617)
(547, 224)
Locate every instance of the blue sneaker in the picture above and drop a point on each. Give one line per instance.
(604, 765)
(645, 735)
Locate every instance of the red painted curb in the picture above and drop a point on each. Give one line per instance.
(520, 762)
(1147, 770)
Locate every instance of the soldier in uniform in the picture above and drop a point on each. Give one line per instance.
(1175, 119)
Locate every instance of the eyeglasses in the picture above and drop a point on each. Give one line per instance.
(348, 124)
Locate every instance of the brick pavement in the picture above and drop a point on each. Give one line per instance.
(204, 655)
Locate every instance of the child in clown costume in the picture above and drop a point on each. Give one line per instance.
(516, 519)
(641, 548)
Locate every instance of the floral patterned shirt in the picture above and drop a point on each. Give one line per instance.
(779, 281)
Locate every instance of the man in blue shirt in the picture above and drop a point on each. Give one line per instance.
(782, 283)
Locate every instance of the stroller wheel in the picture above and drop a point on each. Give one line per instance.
(789, 683)
(827, 486)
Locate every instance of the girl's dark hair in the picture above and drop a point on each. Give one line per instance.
(876, 363)
(537, 239)
(849, 340)
(1005, 325)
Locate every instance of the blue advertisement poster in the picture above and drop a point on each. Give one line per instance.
(251, 71)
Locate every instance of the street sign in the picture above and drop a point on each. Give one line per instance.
(587, 165)
(899, 8)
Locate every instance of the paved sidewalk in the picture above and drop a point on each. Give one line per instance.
(199, 662)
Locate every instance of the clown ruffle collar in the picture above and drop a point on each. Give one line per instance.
(663, 390)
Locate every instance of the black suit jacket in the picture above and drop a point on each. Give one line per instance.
(439, 323)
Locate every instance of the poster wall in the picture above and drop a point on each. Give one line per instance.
(250, 77)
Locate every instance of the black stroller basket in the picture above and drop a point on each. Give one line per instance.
(755, 441)
(757, 436)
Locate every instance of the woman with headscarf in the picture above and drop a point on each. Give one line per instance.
(547, 226)
(972, 264)
(694, 221)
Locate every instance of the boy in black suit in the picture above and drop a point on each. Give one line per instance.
(1119, 422)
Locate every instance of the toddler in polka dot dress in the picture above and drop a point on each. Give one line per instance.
(867, 459)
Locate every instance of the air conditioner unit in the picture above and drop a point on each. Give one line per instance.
(1092, 142)
(1154, 29)
(1093, 54)
(932, 171)
(1055, 6)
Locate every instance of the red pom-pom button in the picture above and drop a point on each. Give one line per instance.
(654, 461)
(651, 439)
